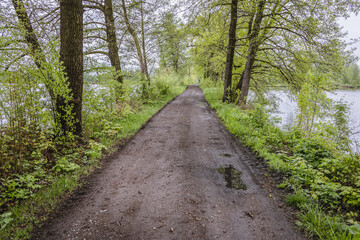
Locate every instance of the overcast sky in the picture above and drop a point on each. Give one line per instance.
(352, 26)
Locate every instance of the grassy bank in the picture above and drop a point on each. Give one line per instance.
(324, 180)
(28, 198)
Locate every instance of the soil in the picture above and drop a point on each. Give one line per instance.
(165, 183)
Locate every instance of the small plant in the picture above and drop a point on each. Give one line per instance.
(296, 199)
(312, 151)
(5, 219)
(63, 165)
(20, 187)
(341, 121)
(314, 220)
(95, 150)
(282, 185)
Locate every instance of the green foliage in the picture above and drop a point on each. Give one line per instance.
(63, 165)
(312, 151)
(316, 167)
(272, 46)
(47, 168)
(105, 102)
(19, 187)
(312, 100)
(350, 76)
(5, 219)
(296, 199)
(170, 36)
(316, 222)
(28, 120)
(211, 39)
(96, 150)
(341, 121)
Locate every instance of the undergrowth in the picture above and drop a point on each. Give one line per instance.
(322, 173)
(45, 170)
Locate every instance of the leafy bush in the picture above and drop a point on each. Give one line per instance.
(63, 165)
(312, 151)
(19, 187)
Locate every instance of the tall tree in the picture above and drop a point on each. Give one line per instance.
(253, 46)
(171, 42)
(231, 49)
(140, 53)
(111, 37)
(211, 40)
(275, 40)
(106, 8)
(71, 54)
(143, 45)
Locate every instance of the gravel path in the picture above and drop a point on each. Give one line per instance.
(164, 184)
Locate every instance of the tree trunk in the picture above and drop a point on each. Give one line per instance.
(143, 44)
(231, 49)
(206, 69)
(251, 53)
(71, 54)
(111, 39)
(176, 65)
(136, 40)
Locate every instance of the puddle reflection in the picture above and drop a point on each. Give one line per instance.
(232, 177)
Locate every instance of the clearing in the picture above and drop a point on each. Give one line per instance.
(183, 176)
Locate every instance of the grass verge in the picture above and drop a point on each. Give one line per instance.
(323, 180)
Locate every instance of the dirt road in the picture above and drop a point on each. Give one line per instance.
(167, 183)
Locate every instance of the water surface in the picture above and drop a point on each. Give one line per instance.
(287, 108)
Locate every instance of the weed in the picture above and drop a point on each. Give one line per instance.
(317, 223)
(296, 199)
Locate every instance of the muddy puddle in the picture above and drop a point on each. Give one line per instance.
(232, 177)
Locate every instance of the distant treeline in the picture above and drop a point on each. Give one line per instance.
(351, 76)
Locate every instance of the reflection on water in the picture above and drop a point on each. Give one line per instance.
(287, 108)
(232, 177)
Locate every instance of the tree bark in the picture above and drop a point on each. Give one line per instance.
(111, 39)
(231, 50)
(251, 53)
(71, 54)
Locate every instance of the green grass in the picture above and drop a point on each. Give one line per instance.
(323, 226)
(33, 211)
(296, 199)
(316, 188)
